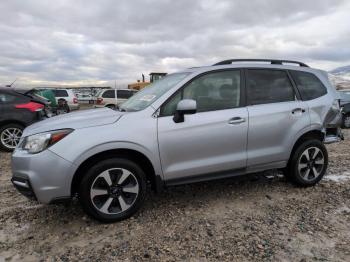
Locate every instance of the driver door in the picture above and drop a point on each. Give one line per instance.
(212, 140)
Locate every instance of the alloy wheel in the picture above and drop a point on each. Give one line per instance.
(114, 191)
(10, 137)
(311, 163)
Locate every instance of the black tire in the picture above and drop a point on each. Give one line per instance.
(116, 164)
(292, 172)
(3, 129)
(113, 107)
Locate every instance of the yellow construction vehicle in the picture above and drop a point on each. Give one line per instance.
(141, 84)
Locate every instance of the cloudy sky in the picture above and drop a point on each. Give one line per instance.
(83, 42)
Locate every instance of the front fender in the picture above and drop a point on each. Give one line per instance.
(152, 156)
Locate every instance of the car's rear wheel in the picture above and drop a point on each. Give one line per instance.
(308, 164)
(9, 136)
(113, 190)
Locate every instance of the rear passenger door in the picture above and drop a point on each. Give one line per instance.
(276, 116)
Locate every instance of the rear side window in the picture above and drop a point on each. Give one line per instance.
(6, 98)
(124, 94)
(60, 93)
(309, 86)
(266, 86)
(109, 94)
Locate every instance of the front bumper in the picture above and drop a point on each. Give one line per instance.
(44, 176)
(24, 187)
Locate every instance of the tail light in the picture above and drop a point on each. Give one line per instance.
(75, 100)
(99, 100)
(31, 106)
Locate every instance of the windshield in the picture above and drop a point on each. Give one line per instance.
(152, 92)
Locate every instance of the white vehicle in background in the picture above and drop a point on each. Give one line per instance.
(67, 95)
(113, 97)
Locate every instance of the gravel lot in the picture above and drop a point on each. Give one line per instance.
(264, 218)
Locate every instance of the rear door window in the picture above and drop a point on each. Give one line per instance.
(309, 86)
(265, 86)
(109, 94)
(124, 94)
(60, 93)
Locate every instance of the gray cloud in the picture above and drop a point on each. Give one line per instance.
(84, 42)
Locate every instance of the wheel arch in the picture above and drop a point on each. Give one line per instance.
(130, 154)
(311, 134)
(12, 121)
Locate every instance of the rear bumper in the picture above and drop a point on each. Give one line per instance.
(333, 135)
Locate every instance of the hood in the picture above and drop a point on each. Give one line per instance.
(75, 120)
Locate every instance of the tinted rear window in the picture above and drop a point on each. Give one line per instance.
(124, 94)
(309, 86)
(266, 86)
(60, 93)
(109, 94)
(7, 98)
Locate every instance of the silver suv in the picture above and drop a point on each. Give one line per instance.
(235, 117)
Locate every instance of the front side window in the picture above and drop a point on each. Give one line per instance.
(109, 94)
(212, 91)
(124, 94)
(309, 86)
(266, 86)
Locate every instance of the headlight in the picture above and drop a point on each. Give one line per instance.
(39, 142)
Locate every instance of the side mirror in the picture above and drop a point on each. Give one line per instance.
(184, 107)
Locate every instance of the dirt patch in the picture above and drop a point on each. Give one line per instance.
(234, 219)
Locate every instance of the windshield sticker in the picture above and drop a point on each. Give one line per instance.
(147, 98)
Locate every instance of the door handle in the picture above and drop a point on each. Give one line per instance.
(295, 110)
(236, 120)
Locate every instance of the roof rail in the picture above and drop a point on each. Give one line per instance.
(272, 61)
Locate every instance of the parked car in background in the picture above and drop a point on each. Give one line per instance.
(229, 119)
(18, 109)
(68, 96)
(86, 98)
(345, 105)
(344, 96)
(113, 98)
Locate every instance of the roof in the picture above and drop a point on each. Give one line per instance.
(254, 63)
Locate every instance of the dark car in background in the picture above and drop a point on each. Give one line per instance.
(345, 106)
(18, 109)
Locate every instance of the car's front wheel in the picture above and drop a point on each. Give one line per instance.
(9, 136)
(308, 164)
(113, 190)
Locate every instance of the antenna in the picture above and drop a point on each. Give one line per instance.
(10, 85)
